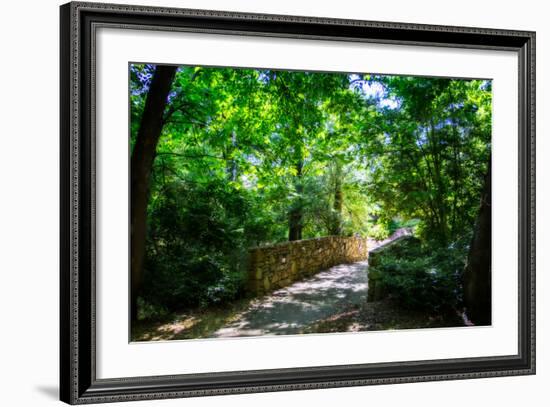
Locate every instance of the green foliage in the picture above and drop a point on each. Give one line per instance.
(379, 231)
(421, 277)
(431, 156)
(247, 155)
(196, 244)
(148, 311)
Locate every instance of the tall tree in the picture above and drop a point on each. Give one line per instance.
(441, 128)
(336, 178)
(296, 211)
(477, 275)
(142, 159)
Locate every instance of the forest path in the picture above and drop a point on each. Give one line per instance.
(291, 309)
(333, 300)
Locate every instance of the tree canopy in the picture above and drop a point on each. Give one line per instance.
(248, 157)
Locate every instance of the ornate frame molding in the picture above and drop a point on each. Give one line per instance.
(79, 384)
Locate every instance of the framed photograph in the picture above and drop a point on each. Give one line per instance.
(255, 203)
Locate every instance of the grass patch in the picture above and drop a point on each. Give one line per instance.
(193, 324)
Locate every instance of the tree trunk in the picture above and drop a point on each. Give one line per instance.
(141, 164)
(338, 203)
(477, 274)
(231, 163)
(295, 224)
(296, 215)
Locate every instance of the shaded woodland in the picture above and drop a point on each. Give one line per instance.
(226, 159)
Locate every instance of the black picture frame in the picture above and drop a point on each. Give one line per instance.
(78, 382)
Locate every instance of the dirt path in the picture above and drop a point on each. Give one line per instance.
(291, 309)
(330, 301)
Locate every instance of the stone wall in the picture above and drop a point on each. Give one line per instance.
(276, 266)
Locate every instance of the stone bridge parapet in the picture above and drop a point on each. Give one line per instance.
(278, 265)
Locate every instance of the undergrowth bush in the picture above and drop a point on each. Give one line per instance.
(421, 276)
(195, 257)
(148, 311)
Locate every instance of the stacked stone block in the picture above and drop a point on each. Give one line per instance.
(279, 265)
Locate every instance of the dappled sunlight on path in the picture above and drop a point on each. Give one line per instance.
(289, 310)
(333, 300)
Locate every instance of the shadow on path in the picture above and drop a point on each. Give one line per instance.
(289, 310)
